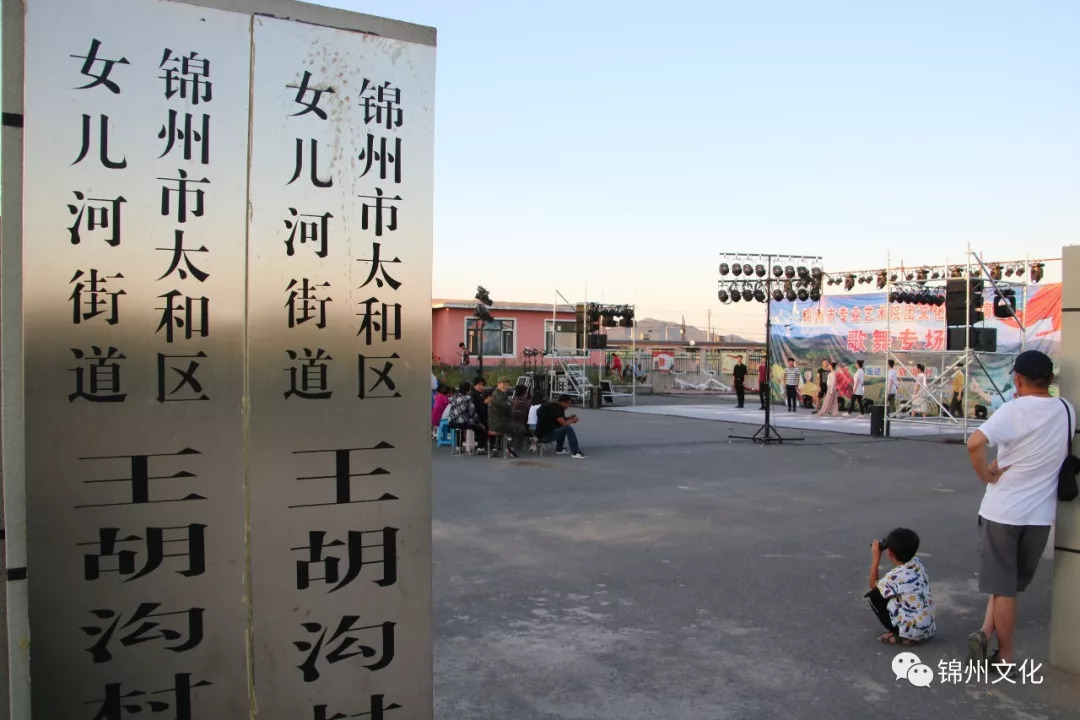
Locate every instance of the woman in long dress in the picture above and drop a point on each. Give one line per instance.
(829, 404)
(920, 402)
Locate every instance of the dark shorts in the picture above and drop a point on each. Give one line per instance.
(1009, 555)
(821, 391)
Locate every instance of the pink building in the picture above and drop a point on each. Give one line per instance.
(516, 326)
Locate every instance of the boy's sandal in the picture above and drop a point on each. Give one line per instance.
(894, 639)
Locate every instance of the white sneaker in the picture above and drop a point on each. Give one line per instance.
(579, 456)
(562, 452)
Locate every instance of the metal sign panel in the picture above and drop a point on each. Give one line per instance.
(226, 286)
(339, 318)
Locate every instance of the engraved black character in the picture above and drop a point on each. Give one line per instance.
(180, 254)
(356, 546)
(377, 155)
(345, 643)
(343, 475)
(144, 625)
(188, 387)
(312, 104)
(309, 381)
(378, 268)
(382, 379)
(187, 134)
(138, 482)
(99, 76)
(99, 380)
(375, 711)
(305, 304)
(118, 705)
(105, 216)
(91, 297)
(103, 143)
(376, 209)
(316, 232)
(379, 317)
(192, 315)
(186, 543)
(314, 162)
(182, 191)
(382, 103)
(186, 75)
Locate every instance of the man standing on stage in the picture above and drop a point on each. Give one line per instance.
(762, 384)
(791, 385)
(857, 385)
(739, 374)
(892, 384)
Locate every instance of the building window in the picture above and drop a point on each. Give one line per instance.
(565, 335)
(499, 337)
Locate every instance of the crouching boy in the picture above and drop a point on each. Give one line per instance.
(901, 600)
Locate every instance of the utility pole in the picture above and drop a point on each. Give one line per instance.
(482, 318)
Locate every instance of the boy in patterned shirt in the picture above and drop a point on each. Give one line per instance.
(901, 600)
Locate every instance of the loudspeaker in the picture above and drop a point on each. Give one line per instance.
(597, 341)
(982, 339)
(956, 302)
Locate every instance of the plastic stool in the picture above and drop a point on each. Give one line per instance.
(445, 437)
(502, 441)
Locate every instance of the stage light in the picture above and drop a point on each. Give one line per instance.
(747, 294)
(881, 280)
(747, 269)
(724, 269)
(894, 297)
(803, 272)
(1008, 272)
(976, 272)
(1037, 271)
(832, 281)
(956, 272)
(816, 273)
(909, 277)
(759, 270)
(904, 297)
(861, 280)
(815, 294)
(759, 294)
(736, 296)
(803, 295)
(736, 269)
(995, 272)
(893, 277)
(939, 300)
(849, 282)
(921, 276)
(935, 275)
(722, 296)
(777, 271)
(789, 272)
(789, 292)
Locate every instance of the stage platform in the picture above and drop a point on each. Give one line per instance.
(801, 420)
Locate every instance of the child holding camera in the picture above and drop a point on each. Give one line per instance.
(901, 600)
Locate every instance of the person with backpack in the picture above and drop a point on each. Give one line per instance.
(1032, 434)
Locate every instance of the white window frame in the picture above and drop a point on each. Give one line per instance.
(513, 329)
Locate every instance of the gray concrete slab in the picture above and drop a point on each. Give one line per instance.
(677, 574)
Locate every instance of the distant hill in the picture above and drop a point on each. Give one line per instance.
(654, 330)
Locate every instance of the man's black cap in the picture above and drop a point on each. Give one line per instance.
(1034, 365)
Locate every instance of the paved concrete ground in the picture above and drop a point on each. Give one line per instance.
(675, 574)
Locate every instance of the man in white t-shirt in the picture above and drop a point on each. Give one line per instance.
(857, 388)
(1031, 435)
(892, 384)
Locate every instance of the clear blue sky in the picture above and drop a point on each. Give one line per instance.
(624, 144)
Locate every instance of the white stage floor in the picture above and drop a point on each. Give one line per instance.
(801, 420)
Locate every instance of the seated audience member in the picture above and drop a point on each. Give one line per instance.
(442, 400)
(552, 425)
(463, 415)
(500, 415)
(519, 406)
(481, 397)
(534, 408)
(901, 600)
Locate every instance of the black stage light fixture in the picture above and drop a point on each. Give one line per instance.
(1037, 272)
(894, 297)
(849, 281)
(995, 272)
(759, 270)
(1009, 271)
(722, 296)
(956, 272)
(920, 276)
(904, 297)
(935, 275)
(736, 269)
(747, 294)
(976, 273)
(736, 296)
(861, 280)
(909, 277)
(789, 272)
(815, 293)
(777, 294)
(831, 281)
(759, 294)
(724, 269)
(881, 280)
(803, 295)
(816, 273)
(803, 272)
(777, 271)
(747, 269)
(893, 277)
(789, 292)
